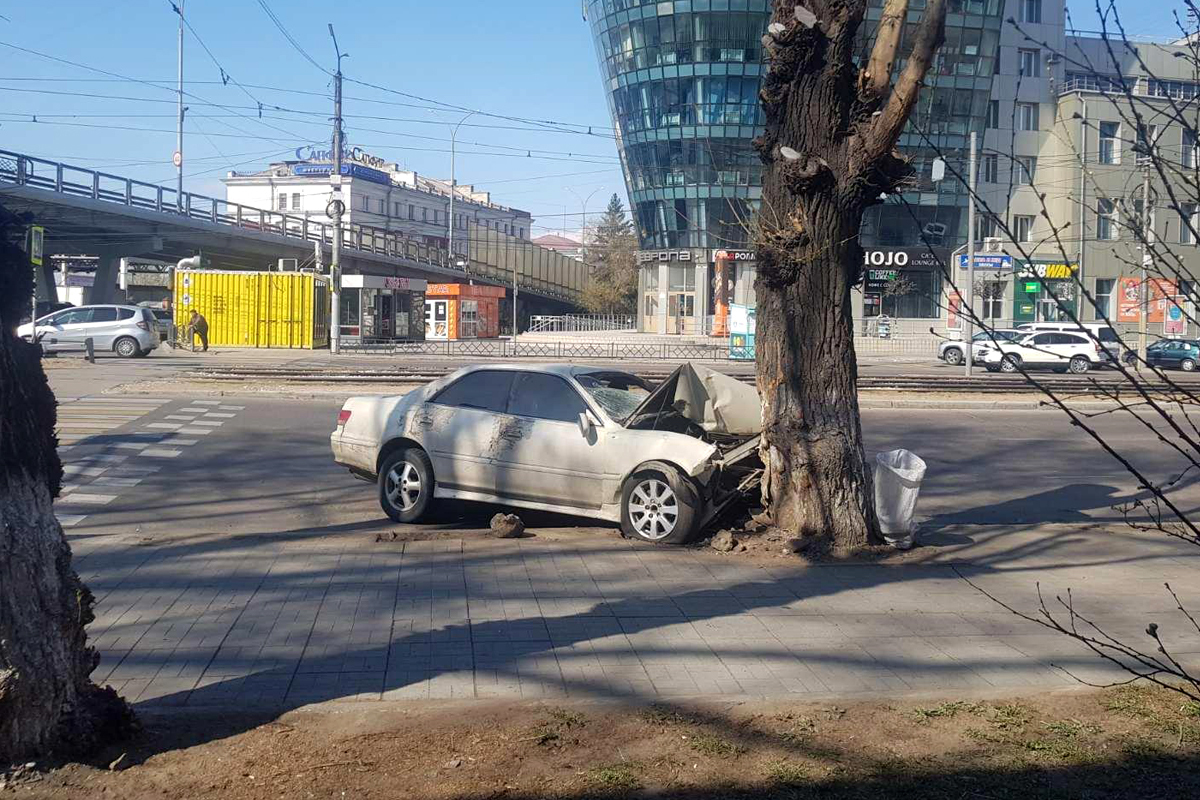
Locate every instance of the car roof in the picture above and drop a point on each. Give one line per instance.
(563, 370)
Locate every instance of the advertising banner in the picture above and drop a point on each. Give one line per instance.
(1128, 299)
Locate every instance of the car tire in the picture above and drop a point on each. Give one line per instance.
(406, 485)
(1010, 364)
(126, 347)
(1079, 365)
(953, 356)
(658, 505)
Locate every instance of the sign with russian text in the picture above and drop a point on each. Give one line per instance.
(987, 261)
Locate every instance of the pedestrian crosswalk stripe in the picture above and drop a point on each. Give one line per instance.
(215, 415)
(166, 426)
(194, 431)
(206, 402)
(89, 499)
(195, 409)
(105, 480)
(77, 469)
(70, 520)
(232, 408)
(210, 423)
(184, 417)
(156, 452)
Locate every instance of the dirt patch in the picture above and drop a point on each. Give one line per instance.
(1123, 743)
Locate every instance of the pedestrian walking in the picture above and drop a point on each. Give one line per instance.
(197, 326)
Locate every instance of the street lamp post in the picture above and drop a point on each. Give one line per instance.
(583, 220)
(453, 185)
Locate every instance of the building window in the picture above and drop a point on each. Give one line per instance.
(993, 115)
(521, 233)
(986, 226)
(1030, 63)
(396, 210)
(296, 201)
(992, 295)
(1031, 11)
(382, 207)
(437, 213)
(424, 215)
(1026, 167)
(1189, 222)
(1187, 155)
(1110, 143)
(991, 171)
(1104, 290)
(1106, 219)
(1023, 228)
(1027, 116)
(283, 202)
(1147, 141)
(412, 211)
(366, 203)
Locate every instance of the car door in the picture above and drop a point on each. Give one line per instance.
(456, 427)
(102, 327)
(1039, 349)
(1171, 355)
(69, 329)
(541, 453)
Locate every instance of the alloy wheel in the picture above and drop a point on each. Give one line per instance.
(403, 486)
(653, 509)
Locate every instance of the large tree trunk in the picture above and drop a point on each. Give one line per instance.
(828, 148)
(47, 701)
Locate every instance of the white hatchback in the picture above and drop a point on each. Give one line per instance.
(1056, 350)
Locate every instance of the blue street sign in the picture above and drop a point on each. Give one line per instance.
(991, 261)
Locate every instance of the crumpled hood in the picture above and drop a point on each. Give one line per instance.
(711, 399)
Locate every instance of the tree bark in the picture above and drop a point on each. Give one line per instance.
(47, 701)
(829, 155)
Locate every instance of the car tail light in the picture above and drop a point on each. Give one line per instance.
(142, 324)
(343, 417)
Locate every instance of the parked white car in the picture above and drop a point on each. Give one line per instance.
(586, 441)
(1056, 350)
(953, 351)
(1106, 335)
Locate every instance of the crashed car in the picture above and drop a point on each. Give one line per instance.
(588, 441)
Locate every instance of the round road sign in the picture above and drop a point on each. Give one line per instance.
(177, 159)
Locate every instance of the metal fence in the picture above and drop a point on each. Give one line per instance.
(66, 179)
(580, 323)
(718, 350)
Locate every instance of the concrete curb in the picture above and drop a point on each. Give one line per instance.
(984, 405)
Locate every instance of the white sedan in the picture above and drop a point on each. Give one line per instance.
(587, 441)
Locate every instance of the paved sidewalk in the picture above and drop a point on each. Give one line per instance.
(274, 621)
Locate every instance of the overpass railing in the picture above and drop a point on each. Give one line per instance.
(67, 179)
(580, 323)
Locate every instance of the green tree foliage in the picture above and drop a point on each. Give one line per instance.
(612, 259)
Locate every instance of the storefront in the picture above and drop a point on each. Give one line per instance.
(690, 291)
(381, 308)
(1043, 289)
(904, 282)
(462, 311)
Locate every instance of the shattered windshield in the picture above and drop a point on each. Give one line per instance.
(618, 393)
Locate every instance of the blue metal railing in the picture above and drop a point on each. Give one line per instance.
(67, 179)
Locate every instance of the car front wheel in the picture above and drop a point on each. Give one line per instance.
(1010, 363)
(1080, 365)
(953, 356)
(406, 485)
(658, 505)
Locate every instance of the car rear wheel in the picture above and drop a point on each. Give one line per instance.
(126, 347)
(658, 505)
(953, 356)
(1010, 364)
(406, 485)
(1188, 365)
(1080, 365)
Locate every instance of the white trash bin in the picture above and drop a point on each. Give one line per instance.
(898, 476)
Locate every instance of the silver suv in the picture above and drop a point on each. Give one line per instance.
(128, 331)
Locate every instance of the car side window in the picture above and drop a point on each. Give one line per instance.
(543, 396)
(486, 390)
(104, 314)
(76, 316)
(1042, 339)
(126, 313)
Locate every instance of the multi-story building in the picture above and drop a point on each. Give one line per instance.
(1056, 150)
(378, 194)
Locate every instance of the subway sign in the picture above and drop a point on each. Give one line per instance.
(1048, 271)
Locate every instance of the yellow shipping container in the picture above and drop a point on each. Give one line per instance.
(256, 309)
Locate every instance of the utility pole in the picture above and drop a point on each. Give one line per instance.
(336, 206)
(1147, 232)
(583, 223)
(178, 159)
(970, 320)
(454, 190)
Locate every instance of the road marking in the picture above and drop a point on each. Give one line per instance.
(157, 452)
(184, 417)
(206, 402)
(129, 471)
(192, 431)
(110, 458)
(130, 445)
(121, 482)
(70, 520)
(232, 408)
(193, 409)
(90, 499)
(77, 469)
(166, 426)
(216, 415)
(173, 442)
(210, 423)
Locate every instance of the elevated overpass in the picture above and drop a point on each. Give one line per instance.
(114, 217)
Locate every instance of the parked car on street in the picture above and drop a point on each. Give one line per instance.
(1181, 354)
(586, 441)
(1056, 350)
(953, 351)
(1106, 335)
(128, 331)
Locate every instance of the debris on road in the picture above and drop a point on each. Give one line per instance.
(507, 526)
(723, 541)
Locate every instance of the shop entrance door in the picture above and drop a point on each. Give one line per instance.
(436, 326)
(681, 313)
(385, 311)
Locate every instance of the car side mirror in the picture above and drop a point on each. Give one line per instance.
(585, 424)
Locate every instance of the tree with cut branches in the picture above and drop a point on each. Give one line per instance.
(830, 153)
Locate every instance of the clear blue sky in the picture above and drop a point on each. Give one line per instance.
(532, 59)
